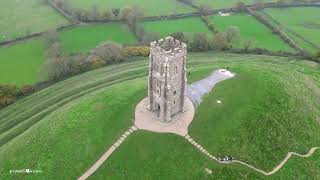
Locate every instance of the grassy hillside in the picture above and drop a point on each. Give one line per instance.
(305, 23)
(72, 123)
(186, 25)
(19, 18)
(150, 8)
(251, 29)
(262, 117)
(84, 38)
(20, 62)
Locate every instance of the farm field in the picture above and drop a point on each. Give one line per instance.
(26, 57)
(219, 4)
(186, 25)
(251, 30)
(78, 113)
(150, 8)
(303, 28)
(84, 38)
(20, 18)
(20, 62)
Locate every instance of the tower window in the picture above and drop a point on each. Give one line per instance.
(176, 69)
(174, 92)
(174, 102)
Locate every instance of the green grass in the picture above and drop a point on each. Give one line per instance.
(168, 156)
(20, 62)
(147, 155)
(258, 120)
(251, 29)
(301, 20)
(150, 8)
(255, 111)
(84, 38)
(19, 18)
(219, 4)
(90, 124)
(69, 125)
(186, 25)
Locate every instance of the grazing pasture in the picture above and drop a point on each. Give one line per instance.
(251, 30)
(300, 23)
(186, 25)
(22, 17)
(219, 4)
(84, 38)
(79, 119)
(19, 63)
(150, 8)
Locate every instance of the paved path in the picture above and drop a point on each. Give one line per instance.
(144, 119)
(198, 89)
(107, 154)
(275, 169)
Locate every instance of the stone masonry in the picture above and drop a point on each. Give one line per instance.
(167, 78)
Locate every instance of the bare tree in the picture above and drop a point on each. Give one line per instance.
(149, 37)
(232, 34)
(110, 52)
(257, 4)
(220, 42)
(56, 65)
(240, 6)
(205, 10)
(247, 44)
(200, 42)
(51, 36)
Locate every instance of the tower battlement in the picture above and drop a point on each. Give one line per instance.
(168, 47)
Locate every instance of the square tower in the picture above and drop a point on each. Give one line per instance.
(167, 78)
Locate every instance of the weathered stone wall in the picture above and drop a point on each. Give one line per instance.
(167, 78)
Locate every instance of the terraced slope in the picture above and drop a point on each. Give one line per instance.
(68, 126)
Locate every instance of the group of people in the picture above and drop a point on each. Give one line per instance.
(226, 159)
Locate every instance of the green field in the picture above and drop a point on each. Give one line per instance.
(150, 8)
(20, 62)
(186, 25)
(20, 18)
(251, 29)
(304, 21)
(219, 4)
(72, 123)
(84, 38)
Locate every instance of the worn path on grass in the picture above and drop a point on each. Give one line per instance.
(108, 153)
(274, 170)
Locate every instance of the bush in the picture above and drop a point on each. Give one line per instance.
(8, 94)
(136, 51)
(26, 90)
(110, 52)
(220, 42)
(200, 42)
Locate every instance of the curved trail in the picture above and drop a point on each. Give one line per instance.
(108, 153)
(274, 170)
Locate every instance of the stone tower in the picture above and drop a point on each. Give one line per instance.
(167, 78)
